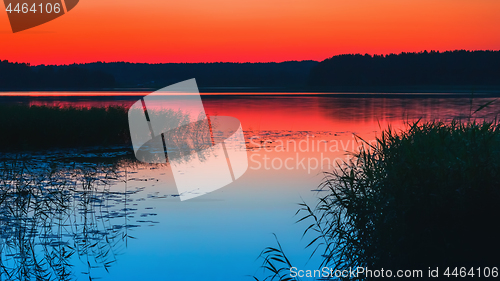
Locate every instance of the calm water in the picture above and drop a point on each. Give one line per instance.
(124, 221)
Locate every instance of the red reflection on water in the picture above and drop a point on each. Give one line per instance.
(284, 112)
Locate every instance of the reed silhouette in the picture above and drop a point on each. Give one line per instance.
(54, 214)
(423, 197)
(38, 127)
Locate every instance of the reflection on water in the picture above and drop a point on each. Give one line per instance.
(64, 216)
(301, 113)
(55, 214)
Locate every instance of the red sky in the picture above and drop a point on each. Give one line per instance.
(251, 30)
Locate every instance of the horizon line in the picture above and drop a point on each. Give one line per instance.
(257, 62)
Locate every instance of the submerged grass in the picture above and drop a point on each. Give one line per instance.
(51, 215)
(423, 197)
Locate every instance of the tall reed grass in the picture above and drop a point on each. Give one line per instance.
(427, 196)
(38, 127)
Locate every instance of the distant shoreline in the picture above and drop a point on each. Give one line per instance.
(407, 91)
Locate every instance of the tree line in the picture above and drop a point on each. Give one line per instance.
(21, 76)
(350, 71)
(218, 74)
(408, 69)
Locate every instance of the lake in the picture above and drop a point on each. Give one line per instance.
(125, 221)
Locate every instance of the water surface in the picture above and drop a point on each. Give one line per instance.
(124, 221)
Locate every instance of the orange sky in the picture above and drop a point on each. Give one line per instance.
(251, 30)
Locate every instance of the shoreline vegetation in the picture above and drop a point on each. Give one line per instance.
(406, 91)
(457, 71)
(423, 197)
(27, 127)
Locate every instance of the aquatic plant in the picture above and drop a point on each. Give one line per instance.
(52, 213)
(30, 128)
(26, 127)
(426, 196)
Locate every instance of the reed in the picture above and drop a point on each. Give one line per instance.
(426, 196)
(25, 127)
(43, 203)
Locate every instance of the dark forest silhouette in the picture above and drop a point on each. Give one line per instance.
(453, 68)
(284, 74)
(20, 76)
(352, 72)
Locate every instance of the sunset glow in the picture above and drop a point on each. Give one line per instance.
(156, 31)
